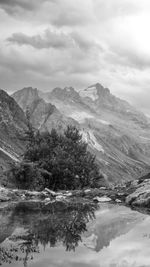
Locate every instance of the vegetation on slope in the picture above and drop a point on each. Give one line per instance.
(57, 161)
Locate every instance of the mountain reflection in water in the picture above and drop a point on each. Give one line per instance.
(25, 230)
(81, 235)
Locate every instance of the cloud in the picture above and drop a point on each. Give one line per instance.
(55, 39)
(49, 39)
(13, 6)
(85, 41)
(57, 12)
(72, 59)
(127, 58)
(73, 13)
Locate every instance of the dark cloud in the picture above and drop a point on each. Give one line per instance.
(57, 40)
(14, 6)
(57, 12)
(48, 40)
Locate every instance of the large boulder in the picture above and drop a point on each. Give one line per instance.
(141, 196)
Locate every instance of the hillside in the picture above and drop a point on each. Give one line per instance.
(116, 132)
(12, 125)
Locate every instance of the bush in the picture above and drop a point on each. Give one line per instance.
(27, 175)
(56, 161)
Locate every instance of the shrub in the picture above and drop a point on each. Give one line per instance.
(56, 161)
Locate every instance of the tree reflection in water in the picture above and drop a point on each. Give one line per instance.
(47, 228)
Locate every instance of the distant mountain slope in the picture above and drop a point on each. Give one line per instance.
(12, 125)
(116, 132)
(25, 97)
(69, 103)
(44, 116)
(101, 100)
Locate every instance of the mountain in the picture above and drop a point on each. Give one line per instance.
(44, 116)
(26, 96)
(12, 125)
(100, 99)
(116, 132)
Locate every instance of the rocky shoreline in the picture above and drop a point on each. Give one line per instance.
(134, 194)
(46, 198)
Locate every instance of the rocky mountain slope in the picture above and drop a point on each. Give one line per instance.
(12, 124)
(116, 132)
(44, 116)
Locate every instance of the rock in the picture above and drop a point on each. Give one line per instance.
(87, 191)
(135, 183)
(47, 199)
(60, 197)
(4, 194)
(118, 200)
(102, 199)
(140, 197)
(52, 193)
(23, 197)
(103, 188)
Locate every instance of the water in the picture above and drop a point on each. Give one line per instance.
(82, 236)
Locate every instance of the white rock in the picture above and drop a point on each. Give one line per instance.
(118, 200)
(60, 197)
(50, 192)
(47, 199)
(23, 197)
(102, 199)
(87, 191)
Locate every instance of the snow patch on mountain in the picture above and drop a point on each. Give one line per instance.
(90, 138)
(90, 92)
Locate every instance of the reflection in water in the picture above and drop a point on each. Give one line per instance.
(117, 237)
(27, 230)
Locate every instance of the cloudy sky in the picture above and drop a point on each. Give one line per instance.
(48, 43)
